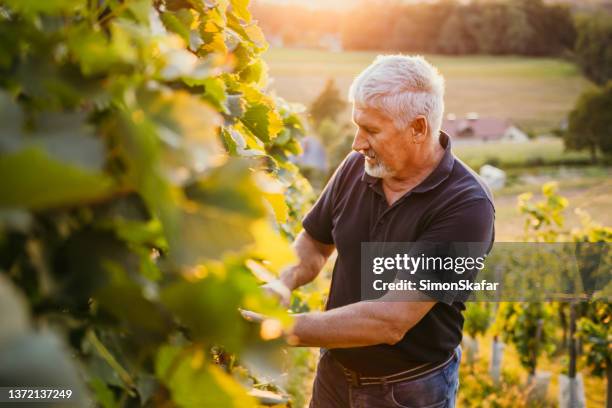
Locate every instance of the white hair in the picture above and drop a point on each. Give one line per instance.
(401, 87)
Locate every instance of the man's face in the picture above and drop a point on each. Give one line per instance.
(386, 149)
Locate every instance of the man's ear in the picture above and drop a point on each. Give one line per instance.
(419, 129)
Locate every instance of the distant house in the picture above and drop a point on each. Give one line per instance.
(331, 42)
(275, 40)
(474, 129)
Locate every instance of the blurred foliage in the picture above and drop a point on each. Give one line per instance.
(530, 326)
(478, 388)
(544, 220)
(337, 139)
(590, 122)
(477, 318)
(595, 330)
(593, 51)
(328, 105)
(146, 192)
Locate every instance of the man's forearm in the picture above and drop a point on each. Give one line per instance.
(359, 324)
(312, 255)
(298, 275)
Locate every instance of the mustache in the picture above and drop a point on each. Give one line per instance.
(369, 153)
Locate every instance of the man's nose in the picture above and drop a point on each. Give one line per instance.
(359, 142)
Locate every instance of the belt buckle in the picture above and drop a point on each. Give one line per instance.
(353, 377)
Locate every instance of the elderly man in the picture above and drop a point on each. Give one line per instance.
(402, 184)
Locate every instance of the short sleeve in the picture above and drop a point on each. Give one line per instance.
(466, 230)
(319, 220)
(472, 221)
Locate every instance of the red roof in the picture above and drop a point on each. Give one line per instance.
(480, 128)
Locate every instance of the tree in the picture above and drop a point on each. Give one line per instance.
(416, 26)
(553, 27)
(545, 223)
(595, 330)
(337, 139)
(530, 327)
(590, 122)
(329, 104)
(491, 27)
(455, 36)
(518, 33)
(141, 197)
(594, 48)
(477, 319)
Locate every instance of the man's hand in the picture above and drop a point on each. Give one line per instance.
(311, 258)
(252, 316)
(279, 290)
(270, 328)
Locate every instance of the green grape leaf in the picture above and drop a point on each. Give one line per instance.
(214, 91)
(188, 127)
(209, 308)
(256, 35)
(209, 233)
(263, 121)
(97, 53)
(178, 23)
(53, 7)
(271, 247)
(34, 180)
(142, 317)
(215, 43)
(104, 395)
(242, 196)
(140, 10)
(245, 143)
(255, 73)
(240, 9)
(195, 383)
(279, 207)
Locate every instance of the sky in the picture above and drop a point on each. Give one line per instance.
(344, 4)
(334, 4)
(330, 4)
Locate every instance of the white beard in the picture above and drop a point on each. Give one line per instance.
(378, 169)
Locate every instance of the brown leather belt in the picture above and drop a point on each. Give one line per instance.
(357, 380)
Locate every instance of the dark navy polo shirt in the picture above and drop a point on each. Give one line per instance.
(451, 205)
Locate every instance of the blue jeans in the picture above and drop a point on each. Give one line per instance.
(435, 390)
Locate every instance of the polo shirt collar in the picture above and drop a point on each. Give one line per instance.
(440, 173)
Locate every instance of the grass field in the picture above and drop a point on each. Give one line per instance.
(528, 166)
(543, 151)
(536, 93)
